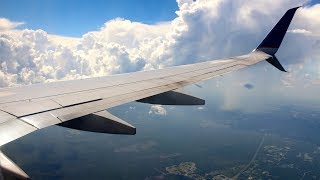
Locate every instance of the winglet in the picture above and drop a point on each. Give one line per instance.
(275, 62)
(272, 41)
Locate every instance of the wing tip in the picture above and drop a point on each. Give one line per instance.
(297, 7)
(273, 40)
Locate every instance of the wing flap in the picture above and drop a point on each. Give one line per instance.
(13, 129)
(90, 95)
(23, 108)
(5, 117)
(41, 120)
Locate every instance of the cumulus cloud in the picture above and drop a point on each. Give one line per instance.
(158, 110)
(302, 31)
(203, 30)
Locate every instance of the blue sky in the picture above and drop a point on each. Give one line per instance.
(76, 17)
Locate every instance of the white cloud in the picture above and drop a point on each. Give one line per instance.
(158, 110)
(203, 30)
(307, 157)
(6, 24)
(201, 108)
(300, 31)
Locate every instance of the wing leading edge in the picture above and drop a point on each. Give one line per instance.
(26, 109)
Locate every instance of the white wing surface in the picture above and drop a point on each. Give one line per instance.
(26, 109)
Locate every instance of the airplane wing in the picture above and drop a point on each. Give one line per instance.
(81, 104)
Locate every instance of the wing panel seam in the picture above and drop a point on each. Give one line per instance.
(58, 108)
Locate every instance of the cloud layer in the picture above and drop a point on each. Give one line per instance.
(203, 30)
